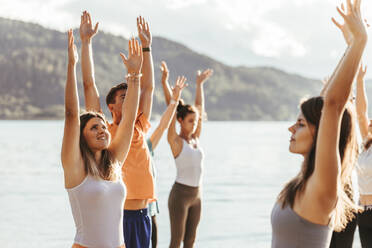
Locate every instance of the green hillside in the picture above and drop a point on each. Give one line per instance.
(33, 73)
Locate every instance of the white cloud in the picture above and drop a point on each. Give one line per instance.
(273, 41)
(295, 35)
(179, 4)
(38, 11)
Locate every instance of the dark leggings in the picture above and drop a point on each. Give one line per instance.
(365, 228)
(344, 239)
(154, 232)
(184, 205)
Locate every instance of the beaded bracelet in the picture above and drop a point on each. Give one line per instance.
(133, 76)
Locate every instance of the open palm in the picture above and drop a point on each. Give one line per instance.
(135, 58)
(201, 77)
(177, 89)
(144, 32)
(86, 28)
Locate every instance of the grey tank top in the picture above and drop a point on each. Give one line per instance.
(289, 230)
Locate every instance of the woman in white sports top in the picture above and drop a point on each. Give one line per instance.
(91, 161)
(184, 201)
(364, 166)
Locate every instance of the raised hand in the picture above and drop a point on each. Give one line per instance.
(201, 77)
(344, 28)
(361, 72)
(135, 58)
(86, 28)
(144, 32)
(354, 27)
(164, 70)
(177, 89)
(72, 50)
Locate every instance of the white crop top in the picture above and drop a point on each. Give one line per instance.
(364, 171)
(97, 208)
(189, 165)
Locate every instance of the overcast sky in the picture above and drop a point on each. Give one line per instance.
(294, 35)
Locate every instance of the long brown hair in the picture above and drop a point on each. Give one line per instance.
(312, 109)
(107, 168)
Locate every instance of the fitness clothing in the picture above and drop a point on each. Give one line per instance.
(364, 170)
(97, 208)
(138, 179)
(345, 238)
(137, 228)
(153, 207)
(189, 165)
(184, 205)
(289, 230)
(365, 227)
(136, 170)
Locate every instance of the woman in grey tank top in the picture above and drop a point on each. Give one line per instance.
(314, 203)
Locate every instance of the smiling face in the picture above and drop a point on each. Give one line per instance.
(189, 123)
(302, 137)
(96, 134)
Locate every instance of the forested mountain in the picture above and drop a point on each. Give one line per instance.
(33, 72)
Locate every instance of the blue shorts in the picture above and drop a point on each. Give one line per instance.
(137, 228)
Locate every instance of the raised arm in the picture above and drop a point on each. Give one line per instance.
(147, 80)
(87, 65)
(165, 83)
(174, 140)
(327, 160)
(201, 78)
(120, 145)
(362, 103)
(168, 114)
(70, 154)
(348, 39)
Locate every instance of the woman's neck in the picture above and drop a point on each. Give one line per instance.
(186, 136)
(97, 156)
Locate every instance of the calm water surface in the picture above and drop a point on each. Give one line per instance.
(246, 164)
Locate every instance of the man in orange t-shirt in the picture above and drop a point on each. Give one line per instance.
(136, 170)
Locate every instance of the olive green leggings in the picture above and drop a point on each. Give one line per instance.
(184, 205)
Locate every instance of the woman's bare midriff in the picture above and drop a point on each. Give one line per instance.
(135, 204)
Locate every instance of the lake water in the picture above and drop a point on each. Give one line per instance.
(246, 165)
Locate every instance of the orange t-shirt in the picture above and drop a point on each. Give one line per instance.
(136, 170)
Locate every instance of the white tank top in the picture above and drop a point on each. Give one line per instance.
(364, 171)
(97, 207)
(189, 165)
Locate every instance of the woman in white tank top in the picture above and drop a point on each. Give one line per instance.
(184, 201)
(364, 166)
(91, 161)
